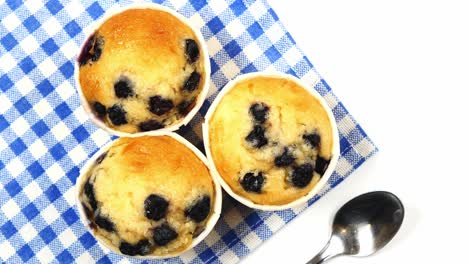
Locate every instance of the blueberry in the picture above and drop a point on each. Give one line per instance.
(150, 125)
(88, 212)
(101, 158)
(117, 115)
(321, 165)
(164, 234)
(253, 182)
(123, 88)
(259, 111)
(185, 107)
(312, 139)
(257, 137)
(284, 159)
(200, 209)
(192, 82)
(155, 207)
(85, 54)
(90, 215)
(100, 109)
(302, 175)
(89, 192)
(142, 248)
(98, 46)
(104, 223)
(92, 50)
(198, 230)
(159, 105)
(191, 50)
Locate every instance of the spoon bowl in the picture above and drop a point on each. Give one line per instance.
(363, 226)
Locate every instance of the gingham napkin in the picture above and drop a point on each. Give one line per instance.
(45, 136)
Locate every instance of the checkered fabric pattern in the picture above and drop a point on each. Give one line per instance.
(45, 136)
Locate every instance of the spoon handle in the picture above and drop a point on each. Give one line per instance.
(328, 252)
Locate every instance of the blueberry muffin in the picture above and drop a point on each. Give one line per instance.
(148, 195)
(142, 70)
(270, 139)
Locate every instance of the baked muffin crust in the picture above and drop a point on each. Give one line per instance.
(142, 69)
(270, 140)
(148, 195)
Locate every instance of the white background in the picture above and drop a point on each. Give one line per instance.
(401, 68)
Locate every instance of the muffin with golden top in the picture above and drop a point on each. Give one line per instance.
(270, 139)
(142, 69)
(148, 196)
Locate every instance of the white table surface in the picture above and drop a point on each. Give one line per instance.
(401, 68)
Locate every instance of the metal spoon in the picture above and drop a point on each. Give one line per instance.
(363, 226)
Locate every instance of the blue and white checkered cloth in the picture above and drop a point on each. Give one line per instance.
(45, 136)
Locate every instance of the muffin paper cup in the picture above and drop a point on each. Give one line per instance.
(209, 224)
(320, 183)
(206, 62)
